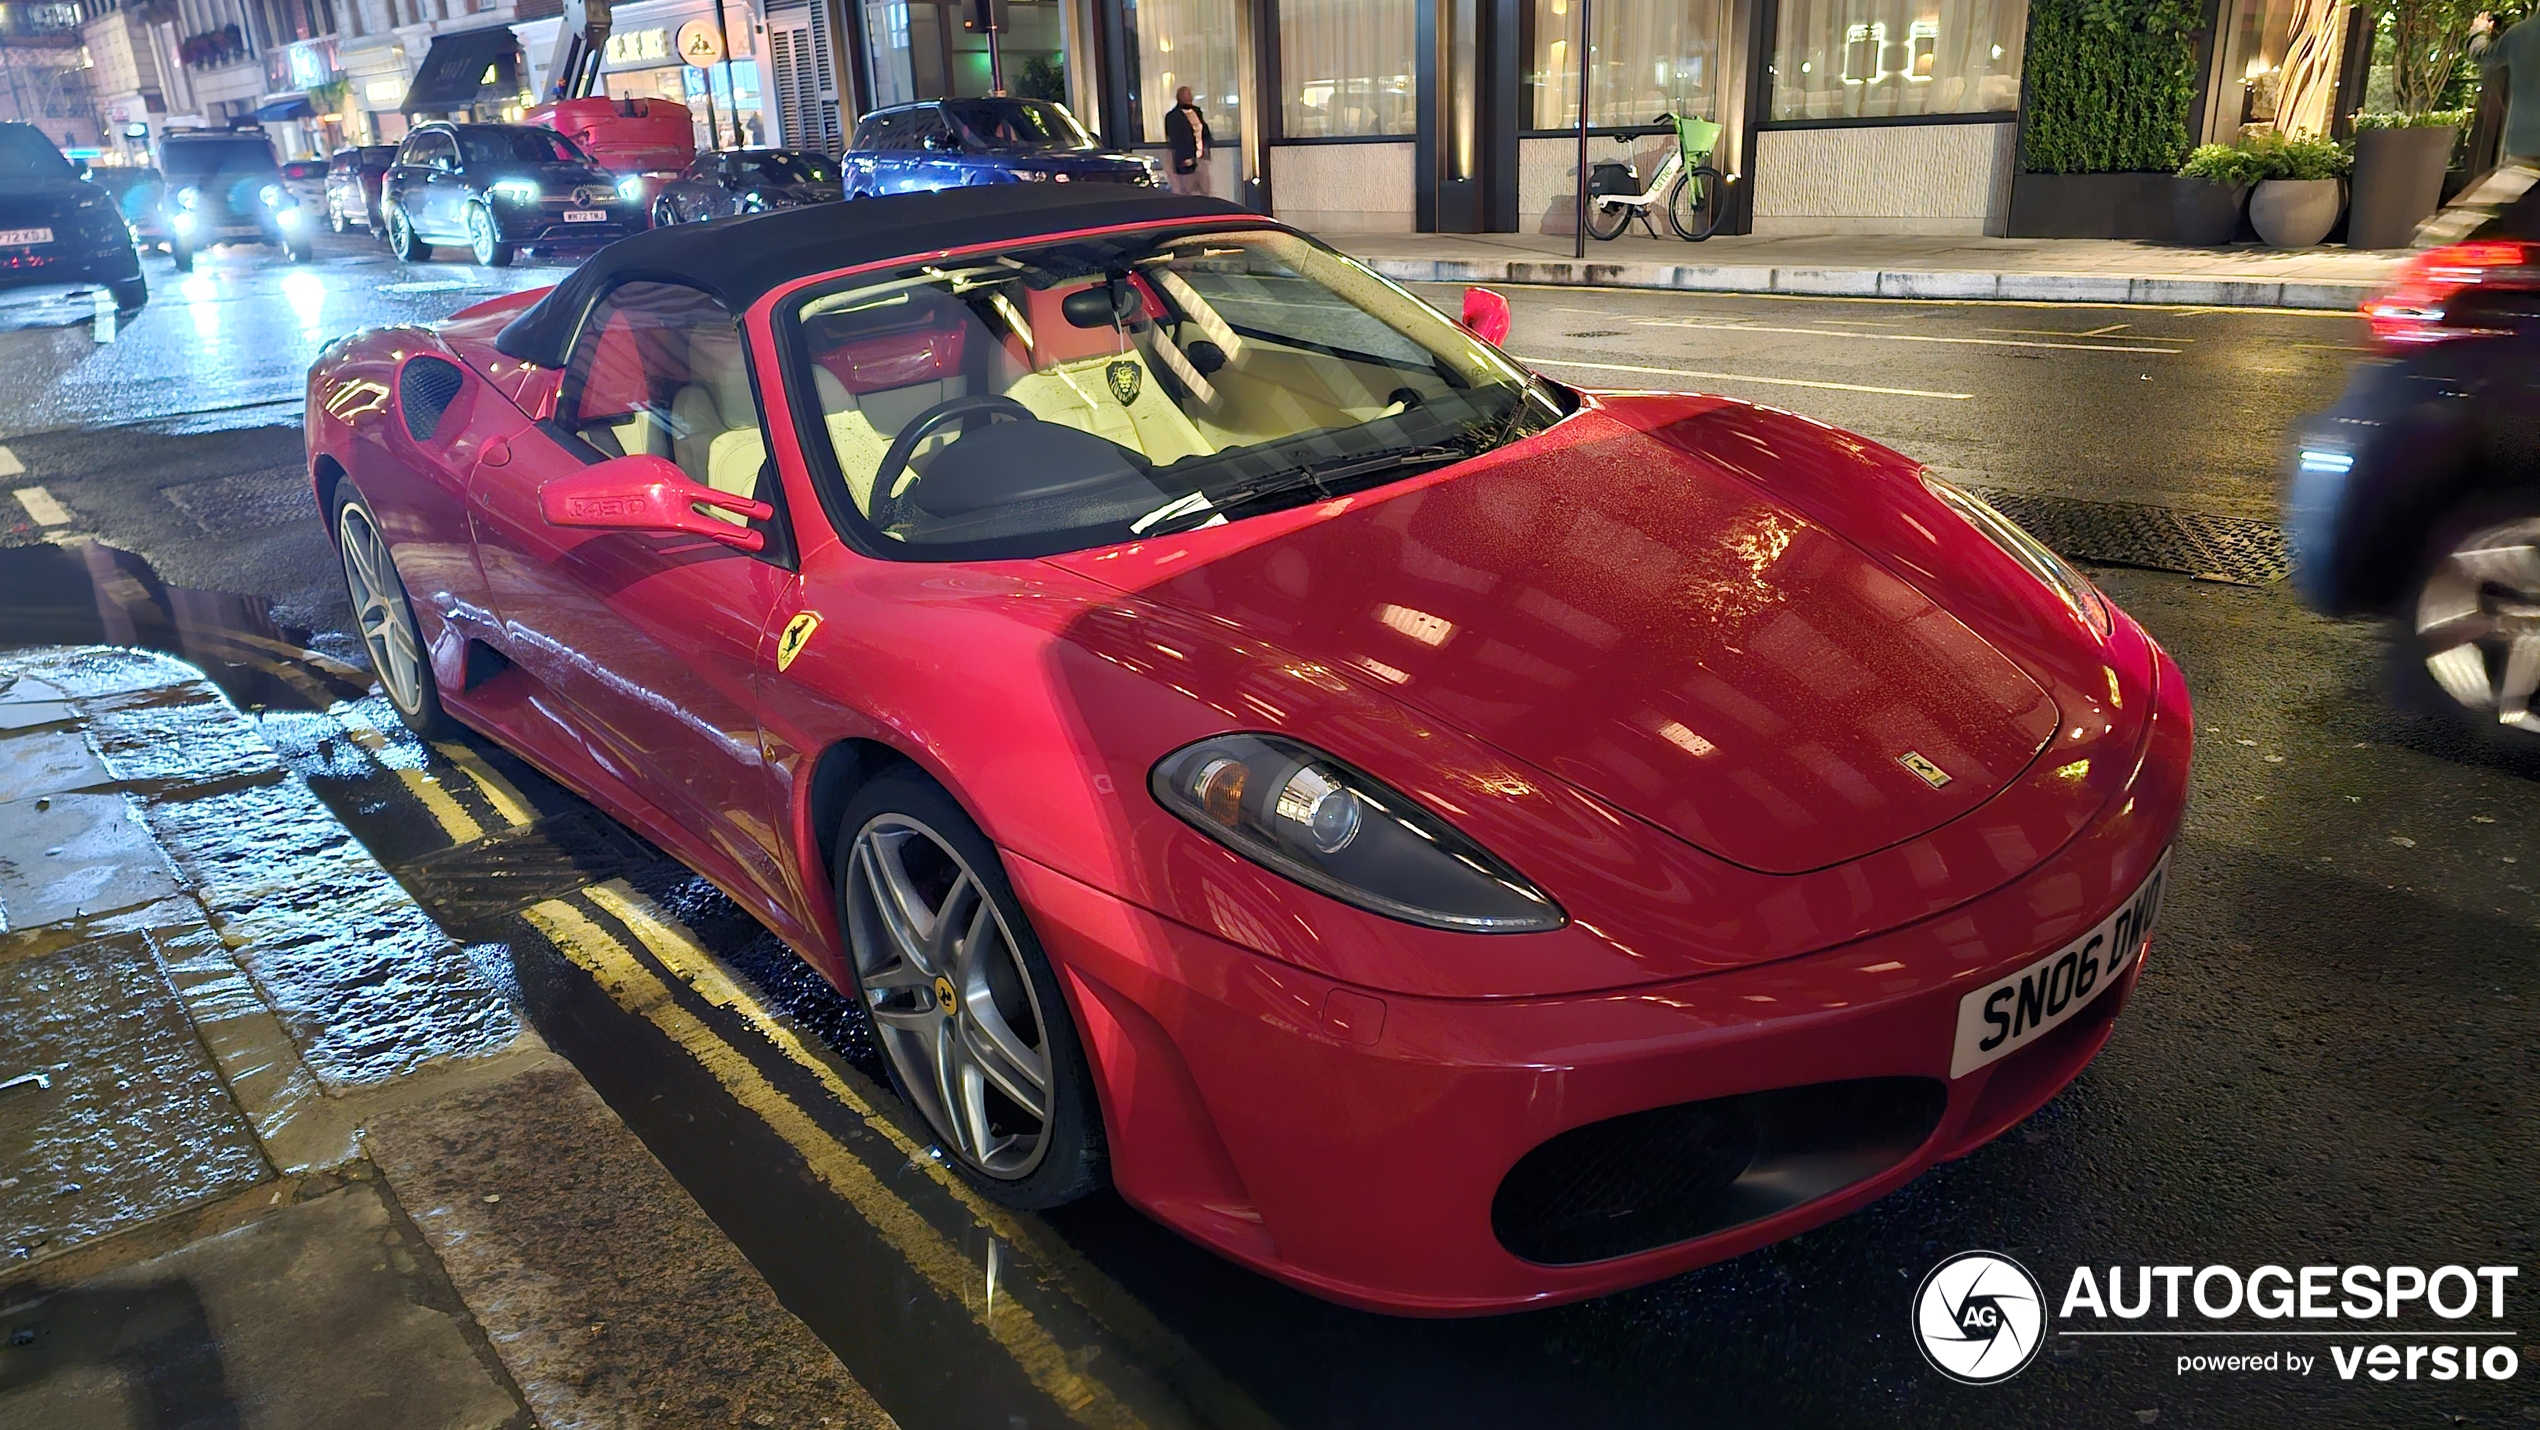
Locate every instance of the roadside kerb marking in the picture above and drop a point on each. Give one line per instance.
(1746, 377)
(634, 987)
(40, 504)
(10, 466)
(688, 960)
(498, 791)
(455, 821)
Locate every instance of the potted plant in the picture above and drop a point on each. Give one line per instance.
(2296, 201)
(2400, 156)
(2209, 212)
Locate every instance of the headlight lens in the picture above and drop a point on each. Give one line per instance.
(271, 194)
(1299, 812)
(631, 187)
(517, 190)
(2058, 576)
(186, 198)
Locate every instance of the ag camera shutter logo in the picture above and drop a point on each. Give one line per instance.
(1979, 1317)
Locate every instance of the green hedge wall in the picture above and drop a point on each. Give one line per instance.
(2109, 86)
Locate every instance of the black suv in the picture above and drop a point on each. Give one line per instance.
(498, 188)
(225, 187)
(56, 227)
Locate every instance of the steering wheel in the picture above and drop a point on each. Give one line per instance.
(886, 501)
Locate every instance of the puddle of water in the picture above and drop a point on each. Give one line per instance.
(94, 594)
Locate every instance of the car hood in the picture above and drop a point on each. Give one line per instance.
(796, 193)
(1661, 633)
(550, 177)
(46, 201)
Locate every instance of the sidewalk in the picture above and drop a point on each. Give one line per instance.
(280, 1152)
(1888, 266)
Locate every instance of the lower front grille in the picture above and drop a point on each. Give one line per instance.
(1649, 1179)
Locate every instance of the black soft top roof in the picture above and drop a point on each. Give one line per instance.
(741, 261)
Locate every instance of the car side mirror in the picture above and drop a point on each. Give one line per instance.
(1486, 315)
(649, 493)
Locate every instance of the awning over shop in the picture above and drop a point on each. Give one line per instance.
(463, 68)
(278, 107)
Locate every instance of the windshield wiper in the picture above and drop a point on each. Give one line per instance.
(1305, 476)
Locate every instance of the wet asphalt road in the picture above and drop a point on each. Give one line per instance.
(2330, 1059)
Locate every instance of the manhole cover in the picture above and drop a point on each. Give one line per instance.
(2157, 538)
(249, 501)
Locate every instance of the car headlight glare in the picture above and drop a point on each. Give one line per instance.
(2051, 570)
(272, 195)
(186, 198)
(517, 190)
(1301, 813)
(631, 187)
(183, 223)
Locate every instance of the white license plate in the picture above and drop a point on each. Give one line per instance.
(586, 215)
(1999, 1019)
(21, 237)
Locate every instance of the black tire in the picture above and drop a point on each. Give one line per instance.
(417, 700)
(2459, 669)
(1607, 221)
(484, 243)
(1693, 205)
(402, 240)
(182, 254)
(335, 217)
(1071, 1159)
(299, 250)
(129, 294)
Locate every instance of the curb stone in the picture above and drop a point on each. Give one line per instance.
(1936, 285)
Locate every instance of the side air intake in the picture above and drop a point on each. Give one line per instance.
(426, 387)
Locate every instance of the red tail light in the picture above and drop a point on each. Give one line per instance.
(2413, 308)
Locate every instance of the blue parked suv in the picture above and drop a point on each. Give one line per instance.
(952, 143)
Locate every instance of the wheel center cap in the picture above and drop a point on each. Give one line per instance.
(943, 993)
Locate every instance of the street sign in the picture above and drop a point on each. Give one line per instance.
(699, 45)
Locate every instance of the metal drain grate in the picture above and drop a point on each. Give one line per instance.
(249, 501)
(2159, 538)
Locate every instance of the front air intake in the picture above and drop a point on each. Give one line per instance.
(1650, 1179)
(426, 386)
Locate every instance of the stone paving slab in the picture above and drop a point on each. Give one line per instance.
(70, 856)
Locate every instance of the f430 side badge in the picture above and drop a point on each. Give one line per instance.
(797, 635)
(1914, 760)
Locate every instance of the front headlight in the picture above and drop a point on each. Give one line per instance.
(1301, 813)
(186, 198)
(631, 187)
(2052, 570)
(272, 195)
(521, 191)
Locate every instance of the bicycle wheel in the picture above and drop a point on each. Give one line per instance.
(1693, 205)
(1607, 220)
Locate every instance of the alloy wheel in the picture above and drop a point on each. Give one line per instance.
(2478, 622)
(952, 1002)
(380, 611)
(480, 235)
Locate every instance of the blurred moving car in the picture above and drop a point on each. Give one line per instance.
(2416, 498)
(645, 142)
(56, 227)
(352, 185)
(136, 188)
(224, 187)
(496, 189)
(956, 143)
(721, 183)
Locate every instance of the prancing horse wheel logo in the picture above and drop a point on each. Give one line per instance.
(943, 993)
(1979, 1317)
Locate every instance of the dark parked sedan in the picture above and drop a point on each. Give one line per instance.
(2416, 498)
(56, 227)
(353, 178)
(746, 181)
(956, 143)
(495, 189)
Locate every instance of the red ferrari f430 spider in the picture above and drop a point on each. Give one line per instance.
(1448, 840)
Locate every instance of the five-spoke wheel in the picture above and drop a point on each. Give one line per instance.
(2477, 623)
(385, 617)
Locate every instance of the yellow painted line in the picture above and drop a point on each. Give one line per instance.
(10, 466)
(615, 968)
(321, 660)
(445, 810)
(687, 959)
(1745, 377)
(498, 791)
(40, 504)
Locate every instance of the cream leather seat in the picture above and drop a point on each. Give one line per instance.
(714, 419)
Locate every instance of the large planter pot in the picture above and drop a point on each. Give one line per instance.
(2398, 182)
(2162, 208)
(2295, 213)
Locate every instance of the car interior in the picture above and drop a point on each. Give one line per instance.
(663, 373)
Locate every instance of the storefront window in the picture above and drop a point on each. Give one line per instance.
(1188, 42)
(1651, 57)
(919, 50)
(1867, 59)
(1345, 68)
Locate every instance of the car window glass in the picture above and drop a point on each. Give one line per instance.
(1019, 124)
(659, 369)
(505, 144)
(189, 160)
(890, 131)
(925, 124)
(782, 167)
(700, 169)
(27, 154)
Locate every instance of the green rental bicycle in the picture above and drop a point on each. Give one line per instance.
(1685, 180)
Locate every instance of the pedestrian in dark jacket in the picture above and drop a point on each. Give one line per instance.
(1186, 129)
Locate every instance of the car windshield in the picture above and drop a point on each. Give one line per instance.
(1019, 124)
(781, 168)
(378, 156)
(26, 154)
(191, 159)
(519, 146)
(1070, 396)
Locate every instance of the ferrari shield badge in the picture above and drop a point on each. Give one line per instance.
(1931, 774)
(1125, 377)
(797, 635)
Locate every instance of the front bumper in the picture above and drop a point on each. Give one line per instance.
(540, 226)
(1353, 1144)
(109, 260)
